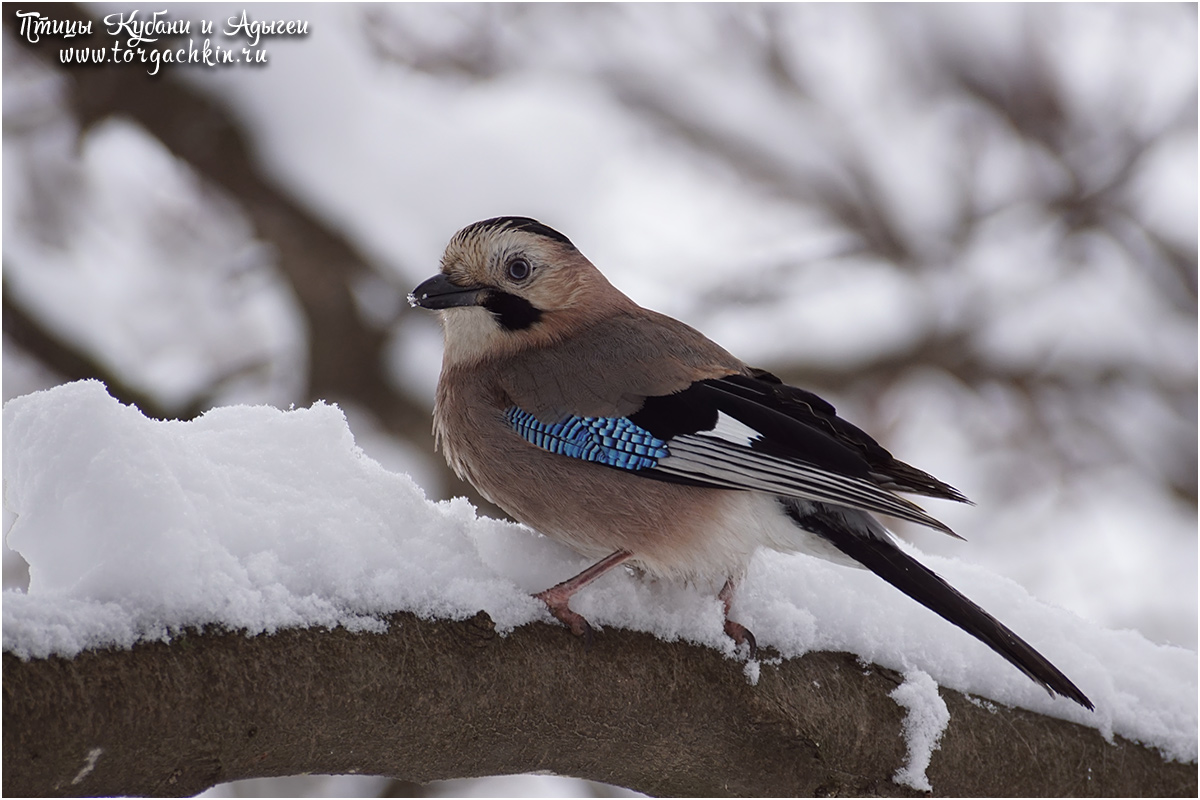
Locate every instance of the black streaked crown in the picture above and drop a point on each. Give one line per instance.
(527, 224)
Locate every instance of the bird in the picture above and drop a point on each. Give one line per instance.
(634, 439)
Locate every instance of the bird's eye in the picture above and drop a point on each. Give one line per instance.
(519, 269)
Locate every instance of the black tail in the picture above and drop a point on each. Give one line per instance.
(921, 584)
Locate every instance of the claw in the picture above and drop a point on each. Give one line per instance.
(735, 630)
(589, 637)
(741, 635)
(557, 602)
(557, 598)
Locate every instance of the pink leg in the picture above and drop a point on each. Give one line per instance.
(557, 597)
(734, 630)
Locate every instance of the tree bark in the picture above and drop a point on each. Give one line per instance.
(442, 699)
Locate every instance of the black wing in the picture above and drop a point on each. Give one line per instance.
(809, 409)
(753, 432)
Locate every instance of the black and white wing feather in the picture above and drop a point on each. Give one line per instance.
(753, 432)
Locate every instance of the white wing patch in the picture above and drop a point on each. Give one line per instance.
(733, 465)
(734, 431)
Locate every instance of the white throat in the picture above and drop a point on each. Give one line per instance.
(470, 333)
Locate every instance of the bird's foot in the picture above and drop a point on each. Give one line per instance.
(741, 635)
(558, 597)
(734, 630)
(557, 602)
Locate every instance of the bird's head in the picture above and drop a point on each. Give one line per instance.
(511, 282)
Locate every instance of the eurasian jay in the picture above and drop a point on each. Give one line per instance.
(633, 439)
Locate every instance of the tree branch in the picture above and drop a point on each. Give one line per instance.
(436, 700)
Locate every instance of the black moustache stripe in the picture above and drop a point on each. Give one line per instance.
(512, 312)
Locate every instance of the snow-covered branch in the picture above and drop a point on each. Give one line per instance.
(150, 541)
(433, 700)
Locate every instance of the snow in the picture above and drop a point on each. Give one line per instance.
(248, 516)
(541, 784)
(257, 519)
(89, 764)
(924, 724)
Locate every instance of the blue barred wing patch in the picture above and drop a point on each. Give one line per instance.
(613, 441)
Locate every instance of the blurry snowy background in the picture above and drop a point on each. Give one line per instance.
(972, 228)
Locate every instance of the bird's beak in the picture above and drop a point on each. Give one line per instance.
(439, 292)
